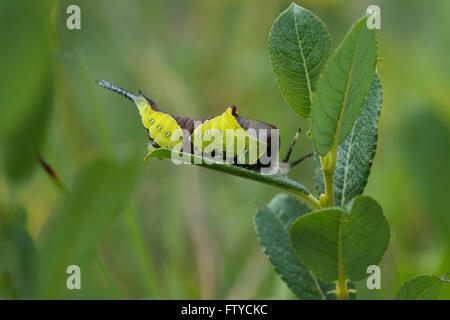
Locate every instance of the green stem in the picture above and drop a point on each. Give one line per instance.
(341, 286)
(143, 255)
(310, 199)
(115, 290)
(328, 166)
(327, 200)
(329, 192)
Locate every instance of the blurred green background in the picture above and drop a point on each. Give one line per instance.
(155, 230)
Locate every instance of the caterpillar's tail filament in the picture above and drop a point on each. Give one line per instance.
(117, 89)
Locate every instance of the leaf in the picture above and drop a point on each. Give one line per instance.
(275, 180)
(72, 235)
(299, 46)
(272, 224)
(341, 240)
(25, 60)
(355, 154)
(17, 255)
(343, 87)
(425, 146)
(422, 287)
(24, 143)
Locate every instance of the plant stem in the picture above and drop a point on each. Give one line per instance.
(115, 290)
(329, 192)
(327, 200)
(341, 286)
(143, 255)
(310, 199)
(328, 166)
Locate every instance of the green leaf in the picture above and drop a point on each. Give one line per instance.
(17, 255)
(355, 154)
(25, 60)
(425, 146)
(335, 242)
(422, 287)
(275, 180)
(343, 87)
(299, 46)
(24, 143)
(272, 224)
(73, 232)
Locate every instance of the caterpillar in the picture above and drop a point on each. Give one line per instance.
(208, 135)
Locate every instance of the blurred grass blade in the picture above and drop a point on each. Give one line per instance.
(272, 224)
(343, 87)
(145, 260)
(112, 284)
(71, 237)
(53, 175)
(299, 46)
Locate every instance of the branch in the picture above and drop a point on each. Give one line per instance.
(279, 181)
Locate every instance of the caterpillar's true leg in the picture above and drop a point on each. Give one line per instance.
(291, 146)
(289, 166)
(296, 162)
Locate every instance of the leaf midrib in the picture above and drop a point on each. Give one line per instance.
(341, 271)
(347, 86)
(344, 184)
(426, 290)
(308, 81)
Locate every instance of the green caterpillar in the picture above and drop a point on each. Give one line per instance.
(201, 135)
(212, 136)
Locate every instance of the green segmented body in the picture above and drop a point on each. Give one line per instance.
(203, 135)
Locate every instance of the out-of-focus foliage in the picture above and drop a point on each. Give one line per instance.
(18, 258)
(73, 232)
(422, 128)
(27, 96)
(186, 232)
